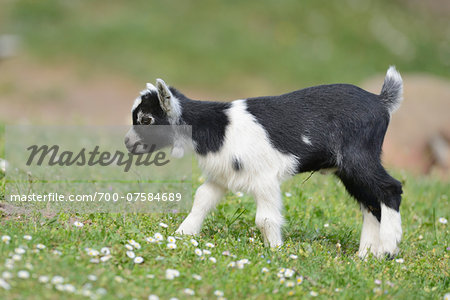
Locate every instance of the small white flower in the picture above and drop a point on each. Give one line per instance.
(189, 292)
(171, 239)
(194, 242)
(290, 284)
(6, 239)
(251, 240)
(105, 251)
(138, 260)
(69, 288)
(377, 281)
(94, 260)
(129, 247)
(210, 245)
(400, 260)
(197, 277)
(78, 224)
(158, 236)
(447, 296)
(289, 273)
(131, 254)
(5, 285)
(19, 250)
(43, 279)
(213, 260)
(326, 225)
(443, 220)
(239, 194)
(134, 244)
(282, 280)
(226, 253)
(171, 274)
(287, 194)
(40, 246)
(218, 293)
(314, 294)
(93, 252)
(153, 297)
(92, 277)
(118, 279)
(105, 258)
(57, 252)
(27, 237)
(293, 256)
(206, 252)
(16, 257)
(299, 279)
(171, 245)
(7, 275)
(198, 252)
(231, 264)
(265, 270)
(337, 290)
(163, 225)
(57, 279)
(150, 239)
(23, 274)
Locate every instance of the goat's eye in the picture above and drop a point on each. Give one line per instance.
(145, 120)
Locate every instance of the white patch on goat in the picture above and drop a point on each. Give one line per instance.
(263, 168)
(390, 230)
(370, 234)
(306, 140)
(393, 75)
(136, 103)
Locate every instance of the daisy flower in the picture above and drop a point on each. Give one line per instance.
(287, 194)
(289, 273)
(40, 246)
(7, 275)
(218, 293)
(443, 220)
(210, 245)
(158, 236)
(23, 274)
(43, 279)
(4, 284)
(163, 225)
(19, 250)
(206, 252)
(131, 254)
(129, 247)
(293, 256)
(171, 239)
(57, 279)
(314, 294)
(326, 225)
(213, 260)
(150, 239)
(290, 284)
(78, 224)
(16, 257)
(231, 264)
(105, 251)
(239, 194)
(57, 252)
(400, 260)
(197, 277)
(194, 242)
(189, 292)
(171, 245)
(134, 244)
(138, 260)
(6, 239)
(265, 270)
(69, 288)
(27, 237)
(172, 273)
(198, 252)
(299, 279)
(226, 253)
(93, 252)
(92, 277)
(153, 297)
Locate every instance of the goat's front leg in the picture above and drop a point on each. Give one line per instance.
(206, 198)
(269, 218)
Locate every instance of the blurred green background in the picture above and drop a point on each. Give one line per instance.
(223, 45)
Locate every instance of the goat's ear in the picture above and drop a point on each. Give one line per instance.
(166, 99)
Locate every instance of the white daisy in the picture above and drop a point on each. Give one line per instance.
(210, 245)
(264, 270)
(293, 256)
(134, 244)
(158, 236)
(198, 252)
(326, 225)
(153, 297)
(194, 242)
(231, 264)
(197, 277)
(171, 245)
(92, 277)
(27, 237)
(171, 239)
(314, 294)
(290, 284)
(40, 246)
(6, 239)
(19, 250)
(57, 252)
(239, 194)
(213, 260)
(131, 254)
(150, 239)
(7, 275)
(163, 225)
(78, 224)
(171, 274)
(129, 247)
(16, 257)
(400, 260)
(57, 279)
(287, 194)
(189, 292)
(289, 273)
(105, 251)
(138, 260)
(4, 285)
(218, 293)
(299, 279)
(443, 220)
(206, 252)
(23, 274)
(69, 288)
(43, 279)
(93, 252)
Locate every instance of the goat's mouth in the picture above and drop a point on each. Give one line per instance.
(138, 147)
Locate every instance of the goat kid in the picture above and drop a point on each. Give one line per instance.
(252, 145)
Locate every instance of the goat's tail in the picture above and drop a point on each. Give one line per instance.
(392, 90)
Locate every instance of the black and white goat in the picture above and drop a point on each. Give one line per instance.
(252, 145)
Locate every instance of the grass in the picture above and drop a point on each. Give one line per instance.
(250, 48)
(327, 259)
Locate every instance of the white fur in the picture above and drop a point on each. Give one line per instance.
(390, 230)
(263, 169)
(370, 234)
(136, 103)
(169, 103)
(394, 75)
(306, 140)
